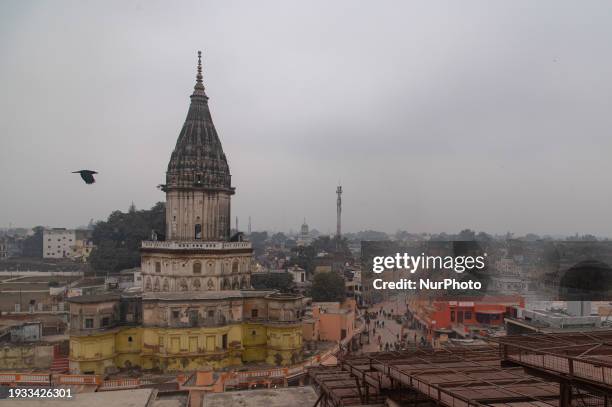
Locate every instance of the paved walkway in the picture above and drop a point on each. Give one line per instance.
(389, 333)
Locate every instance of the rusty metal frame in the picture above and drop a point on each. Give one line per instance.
(386, 372)
(582, 357)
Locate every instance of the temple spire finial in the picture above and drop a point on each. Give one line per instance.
(199, 86)
(199, 75)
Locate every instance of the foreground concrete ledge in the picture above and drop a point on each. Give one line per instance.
(282, 397)
(131, 398)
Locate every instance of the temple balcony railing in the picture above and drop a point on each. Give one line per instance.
(199, 323)
(194, 245)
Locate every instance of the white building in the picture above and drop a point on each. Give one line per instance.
(298, 273)
(507, 267)
(304, 238)
(59, 243)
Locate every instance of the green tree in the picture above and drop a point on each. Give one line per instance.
(328, 286)
(273, 281)
(108, 257)
(484, 237)
(372, 235)
(258, 240)
(466, 234)
(331, 245)
(118, 239)
(278, 238)
(33, 245)
(304, 257)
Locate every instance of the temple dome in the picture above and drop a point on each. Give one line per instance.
(586, 280)
(198, 160)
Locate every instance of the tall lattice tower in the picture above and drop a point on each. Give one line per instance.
(339, 211)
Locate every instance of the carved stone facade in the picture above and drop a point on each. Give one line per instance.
(197, 215)
(197, 254)
(209, 309)
(198, 181)
(184, 267)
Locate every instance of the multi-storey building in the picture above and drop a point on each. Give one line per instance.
(62, 243)
(58, 243)
(82, 247)
(437, 319)
(196, 307)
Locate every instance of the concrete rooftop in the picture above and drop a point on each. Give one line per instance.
(290, 396)
(123, 398)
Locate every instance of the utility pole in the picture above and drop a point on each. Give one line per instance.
(339, 212)
(249, 225)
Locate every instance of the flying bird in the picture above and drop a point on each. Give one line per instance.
(87, 175)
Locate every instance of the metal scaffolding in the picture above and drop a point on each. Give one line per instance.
(453, 377)
(579, 358)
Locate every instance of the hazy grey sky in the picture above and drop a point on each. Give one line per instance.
(435, 116)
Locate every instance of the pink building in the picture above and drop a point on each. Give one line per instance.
(331, 321)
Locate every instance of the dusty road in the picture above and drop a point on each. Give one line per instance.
(391, 329)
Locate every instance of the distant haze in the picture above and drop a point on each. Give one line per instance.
(435, 116)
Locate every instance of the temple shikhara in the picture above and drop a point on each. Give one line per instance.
(196, 307)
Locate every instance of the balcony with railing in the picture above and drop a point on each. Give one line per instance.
(180, 245)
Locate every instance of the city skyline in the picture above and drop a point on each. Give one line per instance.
(435, 118)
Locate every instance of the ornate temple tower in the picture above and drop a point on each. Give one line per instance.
(197, 307)
(198, 181)
(197, 254)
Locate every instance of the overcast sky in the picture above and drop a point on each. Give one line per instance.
(435, 116)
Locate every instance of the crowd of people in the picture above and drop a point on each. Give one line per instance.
(375, 322)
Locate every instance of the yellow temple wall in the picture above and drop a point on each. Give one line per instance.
(171, 349)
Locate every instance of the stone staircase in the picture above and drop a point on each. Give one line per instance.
(60, 362)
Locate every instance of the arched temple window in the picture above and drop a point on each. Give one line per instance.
(197, 268)
(235, 266)
(198, 231)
